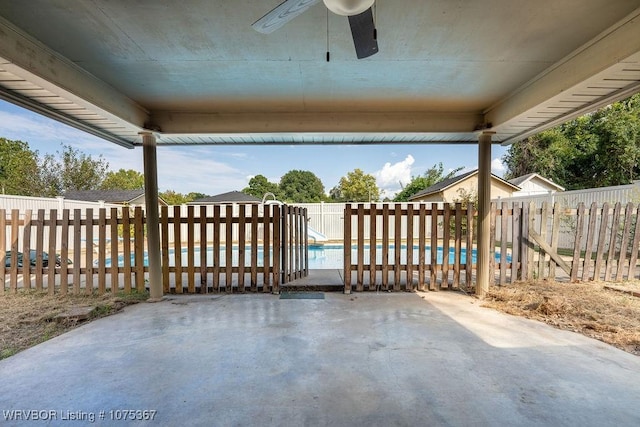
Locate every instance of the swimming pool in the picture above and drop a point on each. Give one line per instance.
(320, 256)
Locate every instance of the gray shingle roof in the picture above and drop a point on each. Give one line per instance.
(519, 180)
(442, 185)
(524, 178)
(108, 196)
(230, 197)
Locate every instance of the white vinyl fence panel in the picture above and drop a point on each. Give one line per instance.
(33, 204)
(328, 218)
(569, 200)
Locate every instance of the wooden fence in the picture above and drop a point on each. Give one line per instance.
(110, 250)
(525, 245)
(408, 255)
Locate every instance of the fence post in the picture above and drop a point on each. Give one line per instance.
(624, 243)
(277, 247)
(634, 247)
(577, 243)
(88, 278)
(3, 247)
(492, 239)
(372, 246)
(347, 249)
(26, 251)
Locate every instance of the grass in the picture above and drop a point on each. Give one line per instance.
(28, 317)
(586, 308)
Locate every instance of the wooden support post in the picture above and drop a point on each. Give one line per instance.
(484, 212)
(152, 215)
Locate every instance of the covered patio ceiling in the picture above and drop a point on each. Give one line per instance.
(196, 72)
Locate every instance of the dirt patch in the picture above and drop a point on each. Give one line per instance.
(592, 309)
(28, 318)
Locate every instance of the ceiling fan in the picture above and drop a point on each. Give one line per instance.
(359, 13)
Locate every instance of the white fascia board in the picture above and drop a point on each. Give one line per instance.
(322, 122)
(611, 47)
(33, 61)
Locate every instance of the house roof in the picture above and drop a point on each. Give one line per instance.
(444, 184)
(529, 177)
(230, 197)
(109, 196)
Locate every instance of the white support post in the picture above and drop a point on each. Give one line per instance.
(152, 214)
(484, 214)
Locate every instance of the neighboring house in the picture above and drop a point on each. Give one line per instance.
(452, 189)
(232, 197)
(534, 184)
(118, 197)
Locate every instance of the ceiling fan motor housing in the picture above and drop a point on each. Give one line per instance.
(348, 7)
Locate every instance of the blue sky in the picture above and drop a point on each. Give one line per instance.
(216, 169)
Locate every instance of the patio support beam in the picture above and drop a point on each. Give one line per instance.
(152, 214)
(484, 214)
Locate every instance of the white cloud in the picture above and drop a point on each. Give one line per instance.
(391, 175)
(497, 167)
(194, 170)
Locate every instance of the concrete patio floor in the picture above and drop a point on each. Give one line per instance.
(363, 359)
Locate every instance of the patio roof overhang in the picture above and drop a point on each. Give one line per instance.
(197, 73)
(161, 72)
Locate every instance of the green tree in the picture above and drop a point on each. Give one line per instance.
(297, 186)
(595, 150)
(18, 169)
(195, 196)
(259, 185)
(432, 176)
(71, 169)
(128, 179)
(356, 186)
(618, 151)
(466, 198)
(173, 198)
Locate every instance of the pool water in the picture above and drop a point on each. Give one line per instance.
(320, 256)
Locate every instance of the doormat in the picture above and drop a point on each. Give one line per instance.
(301, 295)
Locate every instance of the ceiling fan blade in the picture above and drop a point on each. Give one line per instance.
(282, 14)
(363, 32)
